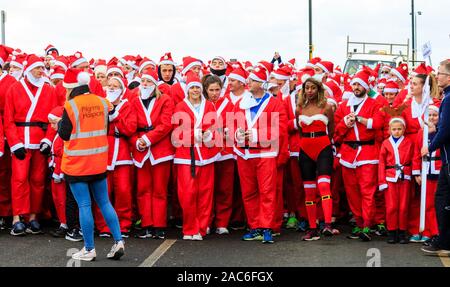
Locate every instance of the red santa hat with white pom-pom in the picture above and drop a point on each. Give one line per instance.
(76, 78)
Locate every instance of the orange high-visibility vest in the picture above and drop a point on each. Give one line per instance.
(86, 153)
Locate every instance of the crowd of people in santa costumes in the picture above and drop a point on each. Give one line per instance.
(219, 146)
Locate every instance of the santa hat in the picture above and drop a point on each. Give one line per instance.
(130, 61)
(248, 65)
(326, 66)
(77, 59)
(58, 73)
(145, 63)
(382, 83)
(305, 74)
(190, 62)
(267, 66)
(114, 69)
(192, 80)
(239, 74)
(56, 113)
(391, 87)
(283, 73)
(32, 62)
(401, 72)
(333, 90)
(113, 62)
(423, 69)
(312, 63)
(362, 78)
(151, 75)
(51, 51)
(291, 63)
(167, 59)
(4, 53)
(18, 61)
(61, 61)
(338, 70)
(386, 67)
(259, 74)
(397, 120)
(75, 78)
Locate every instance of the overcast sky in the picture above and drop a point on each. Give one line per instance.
(242, 29)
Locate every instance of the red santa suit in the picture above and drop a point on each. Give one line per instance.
(58, 184)
(257, 159)
(6, 81)
(26, 126)
(294, 193)
(122, 125)
(194, 159)
(154, 162)
(359, 156)
(435, 165)
(394, 175)
(224, 168)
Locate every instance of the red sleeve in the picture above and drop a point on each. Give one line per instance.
(126, 120)
(51, 133)
(165, 127)
(2, 138)
(8, 120)
(284, 154)
(340, 128)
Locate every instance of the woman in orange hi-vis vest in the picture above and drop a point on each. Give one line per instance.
(84, 127)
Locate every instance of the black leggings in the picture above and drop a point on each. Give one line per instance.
(311, 169)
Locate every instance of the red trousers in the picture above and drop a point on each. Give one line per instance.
(28, 183)
(361, 184)
(431, 227)
(5, 183)
(196, 197)
(294, 188)
(259, 191)
(223, 192)
(414, 210)
(380, 207)
(59, 200)
(397, 202)
(337, 188)
(152, 181)
(176, 211)
(238, 213)
(119, 189)
(279, 200)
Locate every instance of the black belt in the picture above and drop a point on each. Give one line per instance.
(42, 125)
(146, 129)
(433, 158)
(118, 135)
(356, 144)
(400, 168)
(314, 135)
(192, 161)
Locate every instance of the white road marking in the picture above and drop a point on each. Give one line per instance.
(158, 253)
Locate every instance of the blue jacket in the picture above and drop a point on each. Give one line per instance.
(442, 138)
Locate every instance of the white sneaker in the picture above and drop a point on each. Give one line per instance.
(197, 237)
(188, 237)
(117, 251)
(84, 255)
(222, 231)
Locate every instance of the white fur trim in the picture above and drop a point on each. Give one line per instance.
(57, 76)
(383, 187)
(79, 61)
(416, 172)
(114, 69)
(310, 185)
(148, 77)
(237, 78)
(361, 82)
(47, 141)
(280, 77)
(256, 78)
(35, 65)
(147, 141)
(1, 154)
(193, 84)
(369, 124)
(16, 147)
(323, 68)
(188, 67)
(254, 135)
(397, 120)
(396, 73)
(390, 90)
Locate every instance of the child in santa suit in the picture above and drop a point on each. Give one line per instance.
(431, 226)
(394, 176)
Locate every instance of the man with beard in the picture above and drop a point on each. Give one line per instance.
(357, 121)
(219, 67)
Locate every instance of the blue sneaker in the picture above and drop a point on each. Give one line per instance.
(425, 239)
(267, 237)
(302, 226)
(253, 235)
(18, 229)
(415, 238)
(34, 228)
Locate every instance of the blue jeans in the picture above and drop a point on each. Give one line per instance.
(82, 195)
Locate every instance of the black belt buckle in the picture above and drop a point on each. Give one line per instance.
(117, 135)
(353, 145)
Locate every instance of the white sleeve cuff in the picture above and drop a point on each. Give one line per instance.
(295, 124)
(416, 172)
(254, 136)
(236, 137)
(16, 147)
(47, 141)
(1, 154)
(113, 116)
(383, 187)
(147, 141)
(346, 120)
(197, 134)
(370, 124)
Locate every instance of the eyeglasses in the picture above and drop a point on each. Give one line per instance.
(385, 72)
